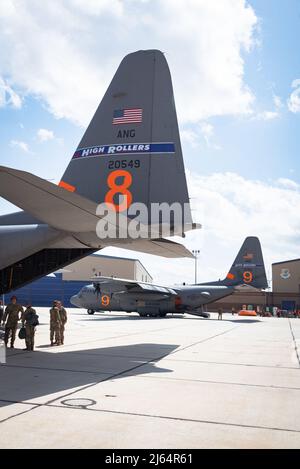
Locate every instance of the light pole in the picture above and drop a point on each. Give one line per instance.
(196, 253)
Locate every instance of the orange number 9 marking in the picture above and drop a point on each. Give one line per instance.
(119, 189)
(105, 300)
(248, 277)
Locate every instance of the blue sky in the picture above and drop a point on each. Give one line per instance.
(252, 147)
(232, 63)
(256, 148)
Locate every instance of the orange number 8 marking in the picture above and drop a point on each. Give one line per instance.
(105, 300)
(248, 277)
(119, 189)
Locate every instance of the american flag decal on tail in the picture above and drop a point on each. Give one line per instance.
(127, 116)
(248, 256)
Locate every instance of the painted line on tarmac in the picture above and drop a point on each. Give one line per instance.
(19, 413)
(155, 416)
(295, 342)
(203, 340)
(278, 367)
(229, 383)
(181, 419)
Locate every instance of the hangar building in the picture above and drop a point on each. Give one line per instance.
(286, 276)
(107, 266)
(286, 284)
(63, 284)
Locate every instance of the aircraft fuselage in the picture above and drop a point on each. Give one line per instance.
(188, 299)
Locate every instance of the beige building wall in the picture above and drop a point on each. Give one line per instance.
(286, 276)
(255, 298)
(106, 266)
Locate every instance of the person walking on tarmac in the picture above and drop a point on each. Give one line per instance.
(29, 318)
(63, 319)
(55, 323)
(10, 320)
(220, 313)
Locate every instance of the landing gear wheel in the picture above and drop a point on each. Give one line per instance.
(90, 311)
(142, 315)
(162, 315)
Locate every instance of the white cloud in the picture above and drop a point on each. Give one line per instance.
(96, 7)
(194, 135)
(289, 183)
(268, 115)
(44, 135)
(277, 101)
(230, 204)
(66, 52)
(207, 131)
(231, 207)
(271, 115)
(8, 96)
(189, 136)
(19, 144)
(294, 99)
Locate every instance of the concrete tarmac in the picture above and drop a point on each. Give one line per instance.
(121, 381)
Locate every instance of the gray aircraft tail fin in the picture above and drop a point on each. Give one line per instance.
(248, 267)
(131, 151)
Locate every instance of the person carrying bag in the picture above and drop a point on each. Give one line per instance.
(30, 319)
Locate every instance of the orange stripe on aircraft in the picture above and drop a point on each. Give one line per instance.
(230, 276)
(67, 186)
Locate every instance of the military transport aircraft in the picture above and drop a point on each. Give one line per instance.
(130, 153)
(112, 294)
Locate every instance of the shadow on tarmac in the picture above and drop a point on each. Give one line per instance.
(28, 376)
(247, 321)
(101, 317)
(115, 317)
(239, 321)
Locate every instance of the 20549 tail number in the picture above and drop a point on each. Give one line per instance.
(117, 164)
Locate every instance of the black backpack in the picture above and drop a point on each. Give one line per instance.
(32, 319)
(22, 333)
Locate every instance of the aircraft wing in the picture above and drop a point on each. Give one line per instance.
(126, 285)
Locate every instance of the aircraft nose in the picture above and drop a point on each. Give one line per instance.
(74, 300)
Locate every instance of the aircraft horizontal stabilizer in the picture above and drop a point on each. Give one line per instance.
(158, 247)
(47, 202)
(70, 212)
